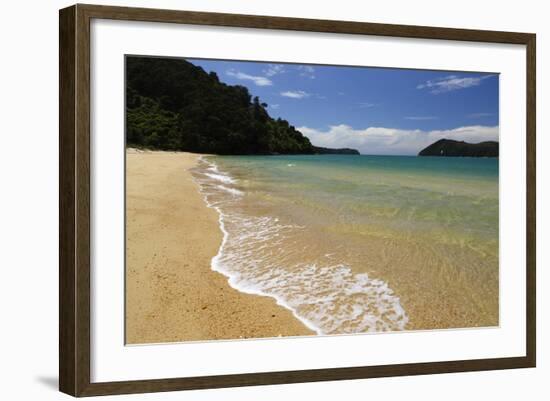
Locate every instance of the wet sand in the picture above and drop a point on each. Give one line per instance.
(171, 236)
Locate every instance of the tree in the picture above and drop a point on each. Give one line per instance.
(172, 104)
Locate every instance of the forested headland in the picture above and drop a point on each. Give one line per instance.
(172, 104)
(451, 148)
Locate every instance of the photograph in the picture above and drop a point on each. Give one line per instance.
(272, 199)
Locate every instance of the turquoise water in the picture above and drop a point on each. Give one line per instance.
(361, 243)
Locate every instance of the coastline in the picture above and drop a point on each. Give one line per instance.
(217, 267)
(260, 255)
(172, 293)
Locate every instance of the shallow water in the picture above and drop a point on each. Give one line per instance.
(361, 243)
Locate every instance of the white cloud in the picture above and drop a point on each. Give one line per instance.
(259, 81)
(479, 115)
(451, 83)
(420, 118)
(274, 69)
(366, 105)
(306, 71)
(387, 141)
(295, 94)
(274, 106)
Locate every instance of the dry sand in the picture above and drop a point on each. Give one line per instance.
(171, 236)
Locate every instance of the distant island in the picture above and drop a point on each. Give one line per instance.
(172, 104)
(448, 147)
(329, 151)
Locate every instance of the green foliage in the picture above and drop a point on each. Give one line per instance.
(172, 104)
(147, 125)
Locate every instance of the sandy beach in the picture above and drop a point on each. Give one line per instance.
(171, 236)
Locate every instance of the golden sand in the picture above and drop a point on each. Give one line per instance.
(171, 236)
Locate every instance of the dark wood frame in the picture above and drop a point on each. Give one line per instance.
(74, 199)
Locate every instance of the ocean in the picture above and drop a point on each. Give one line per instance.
(354, 244)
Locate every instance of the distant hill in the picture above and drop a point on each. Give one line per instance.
(172, 104)
(328, 151)
(448, 147)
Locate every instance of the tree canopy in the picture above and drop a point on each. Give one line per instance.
(172, 104)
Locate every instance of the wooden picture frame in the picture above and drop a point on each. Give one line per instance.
(74, 203)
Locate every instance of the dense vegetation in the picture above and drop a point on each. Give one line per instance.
(172, 104)
(448, 147)
(331, 151)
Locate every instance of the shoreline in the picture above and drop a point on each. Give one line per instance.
(173, 294)
(215, 265)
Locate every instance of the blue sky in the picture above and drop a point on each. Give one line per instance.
(375, 110)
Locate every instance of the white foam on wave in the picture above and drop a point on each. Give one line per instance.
(327, 297)
(232, 191)
(221, 177)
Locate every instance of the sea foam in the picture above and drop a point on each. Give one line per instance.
(325, 295)
(232, 191)
(221, 177)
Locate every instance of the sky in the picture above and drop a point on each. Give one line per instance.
(379, 111)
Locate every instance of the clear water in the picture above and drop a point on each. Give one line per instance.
(361, 243)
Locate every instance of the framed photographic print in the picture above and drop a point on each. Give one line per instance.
(250, 200)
